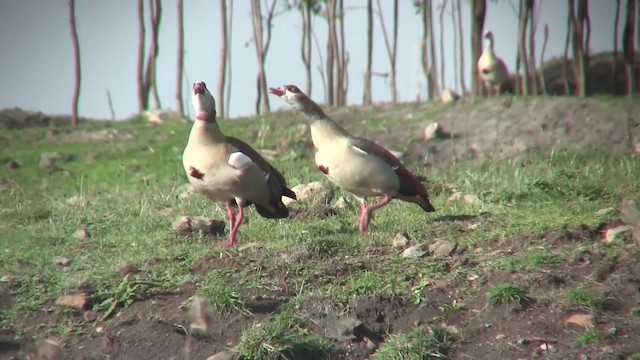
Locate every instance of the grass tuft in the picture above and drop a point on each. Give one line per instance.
(418, 344)
(221, 293)
(528, 261)
(590, 336)
(582, 297)
(506, 293)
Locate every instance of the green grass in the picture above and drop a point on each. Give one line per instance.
(582, 297)
(505, 293)
(121, 193)
(590, 336)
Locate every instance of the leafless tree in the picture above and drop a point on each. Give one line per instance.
(543, 82)
(180, 65)
(427, 46)
(565, 63)
(306, 10)
(222, 75)
(460, 33)
(533, 25)
(142, 105)
(366, 97)
(616, 50)
(391, 46)
(227, 101)
(76, 62)
(150, 83)
(343, 59)
(578, 45)
(432, 51)
(262, 40)
(443, 8)
(332, 44)
(628, 46)
(110, 103)
(478, 12)
(523, 60)
(454, 22)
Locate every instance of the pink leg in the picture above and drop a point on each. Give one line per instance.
(231, 214)
(235, 220)
(366, 212)
(363, 211)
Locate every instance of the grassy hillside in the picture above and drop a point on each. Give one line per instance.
(89, 212)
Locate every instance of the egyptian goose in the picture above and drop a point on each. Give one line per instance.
(492, 69)
(355, 164)
(224, 168)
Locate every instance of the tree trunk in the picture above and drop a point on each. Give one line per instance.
(583, 10)
(331, 55)
(478, 12)
(262, 47)
(432, 49)
(577, 43)
(463, 86)
(366, 98)
(543, 82)
(533, 25)
(582, 36)
(155, 13)
(180, 64)
(110, 103)
(142, 104)
(305, 48)
(227, 101)
(222, 75)
(522, 50)
(616, 50)
(391, 46)
(456, 74)
(343, 59)
(76, 62)
(565, 67)
(628, 47)
(442, 57)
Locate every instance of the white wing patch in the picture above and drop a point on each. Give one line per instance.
(358, 150)
(239, 160)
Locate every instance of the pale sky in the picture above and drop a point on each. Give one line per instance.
(37, 56)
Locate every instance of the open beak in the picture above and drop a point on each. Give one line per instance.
(276, 91)
(198, 88)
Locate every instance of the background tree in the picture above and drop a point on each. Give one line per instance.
(222, 75)
(343, 59)
(478, 12)
(533, 25)
(391, 46)
(180, 63)
(578, 45)
(567, 42)
(432, 51)
(427, 46)
(543, 82)
(150, 83)
(76, 62)
(366, 96)
(227, 101)
(443, 7)
(628, 46)
(522, 59)
(306, 9)
(616, 51)
(142, 103)
(460, 33)
(262, 40)
(332, 44)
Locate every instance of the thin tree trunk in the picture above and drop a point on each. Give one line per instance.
(424, 55)
(543, 82)
(331, 46)
(577, 43)
(110, 103)
(586, 22)
(391, 46)
(343, 59)
(463, 86)
(76, 62)
(305, 48)
(432, 49)
(456, 74)
(616, 50)
(442, 57)
(628, 47)
(478, 12)
(155, 12)
(565, 67)
(227, 101)
(180, 65)
(222, 75)
(366, 97)
(522, 50)
(533, 25)
(142, 104)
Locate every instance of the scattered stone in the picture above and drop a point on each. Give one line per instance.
(78, 301)
(47, 160)
(449, 96)
(501, 337)
(544, 346)
(76, 200)
(225, 355)
(90, 316)
(455, 196)
(184, 191)
(186, 225)
(7, 278)
(401, 239)
(432, 131)
(611, 234)
(315, 192)
(61, 261)
(11, 165)
(471, 200)
(160, 116)
(82, 234)
(340, 328)
(443, 248)
(582, 320)
(200, 314)
(415, 251)
(629, 212)
(48, 349)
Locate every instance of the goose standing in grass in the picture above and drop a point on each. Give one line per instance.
(492, 70)
(355, 164)
(224, 168)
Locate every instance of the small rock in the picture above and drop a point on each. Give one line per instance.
(471, 200)
(455, 196)
(501, 337)
(432, 131)
(544, 346)
(160, 116)
(611, 234)
(443, 248)
(184, 191)
(629, 212)
(582, 320)
(11, 165)
(61, 261)
(47, 160)
(401, 239)
(340, 328)
(415, 251)
(200, 314)
(90, 316)
(82, 234)
(48, 349)
(449, 96)
(224, 355)
(7, 278)
(76, 200)
(313, 192)
(186, 225)
(78, 301)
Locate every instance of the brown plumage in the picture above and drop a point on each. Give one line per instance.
(356, 164)
(227, 169)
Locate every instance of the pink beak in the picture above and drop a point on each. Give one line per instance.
(277, 91)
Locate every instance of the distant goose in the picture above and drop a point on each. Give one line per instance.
(491, 69)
